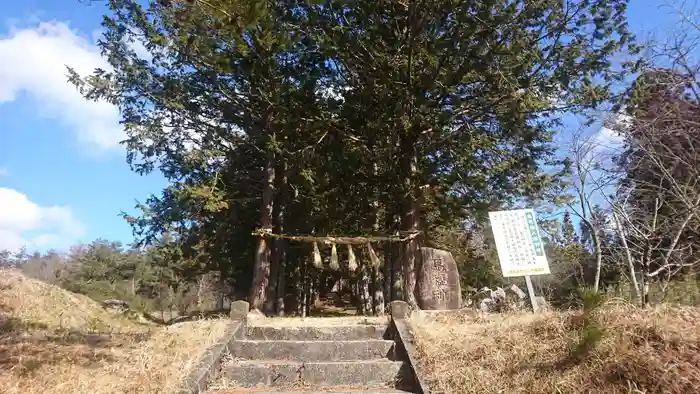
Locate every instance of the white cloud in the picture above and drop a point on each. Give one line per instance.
(25, 223)
(4, 171)
(34, 62)
(139, 47)
(608, 138)
(611, 135)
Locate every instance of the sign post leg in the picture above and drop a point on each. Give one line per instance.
(531, 293)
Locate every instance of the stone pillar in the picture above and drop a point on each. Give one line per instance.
(399, 309)
(239, 312)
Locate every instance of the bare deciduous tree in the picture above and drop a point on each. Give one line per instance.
(647, 170)
(655, 205)
(590, 182)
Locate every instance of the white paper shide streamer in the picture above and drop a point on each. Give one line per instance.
(316, 257)
(334, 265)
(352, 261)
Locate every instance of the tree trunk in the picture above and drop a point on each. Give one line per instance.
(386, 273)
(362, 298)
(378, 304)
(586, 217)
(220, 291)
(201, 289)
(644, 286)
(598, 254)
(363, 287)
(644, 271)
(281, 276)
(309, 297)
(393, 284)
(355, 293)
(271, 305)
(371, 275)
(409, 218)
(261, 269)
(303, 289)
(376, 284)
(408, 151)
(409, 272)
(316, 291)
(298, 285)
(397, 288)
(630, 259)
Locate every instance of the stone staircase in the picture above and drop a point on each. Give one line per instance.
(356, 358)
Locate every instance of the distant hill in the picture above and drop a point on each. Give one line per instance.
(58, 342)
(31, 302)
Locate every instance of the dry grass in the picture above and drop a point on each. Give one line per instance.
(46, 306)
(643, 351)
(54, 341)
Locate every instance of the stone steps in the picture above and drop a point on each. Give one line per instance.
(251, 373)
(325, 350)
(311, 333)
(351, 359)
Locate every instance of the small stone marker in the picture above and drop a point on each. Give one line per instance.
(239, 310)
(399, 309)
(515, 289)
(437, 282)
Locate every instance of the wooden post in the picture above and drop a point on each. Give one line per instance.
(531, 293)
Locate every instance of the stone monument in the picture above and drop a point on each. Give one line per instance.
(437, 282)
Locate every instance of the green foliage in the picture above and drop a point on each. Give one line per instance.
(590, 330)
(678, 290)
(684, 291)
(368, 117)
(477, 260)
(153, 279)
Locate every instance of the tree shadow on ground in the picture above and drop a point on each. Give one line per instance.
(328, 311)
(189, 316)
(334, 307)
(575, 356)
(199, 315)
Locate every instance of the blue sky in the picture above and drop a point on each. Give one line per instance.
(63, 176)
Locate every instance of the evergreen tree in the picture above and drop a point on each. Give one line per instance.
(345, 117)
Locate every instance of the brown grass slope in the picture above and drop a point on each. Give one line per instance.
(54, 341)
(647, 351)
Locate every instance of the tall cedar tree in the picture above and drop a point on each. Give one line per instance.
(446, 107)
(466, 95)
(209, 107)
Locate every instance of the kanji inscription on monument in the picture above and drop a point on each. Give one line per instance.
(438, 284)
(440, 280)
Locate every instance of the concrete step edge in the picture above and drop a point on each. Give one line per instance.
(316, 333)
(287, 391)
(320, 325)
(309, 390)
(240, 362)
(282, 373)
(321, 341)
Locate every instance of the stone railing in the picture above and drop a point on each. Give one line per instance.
(399, 331)
(209, 365)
